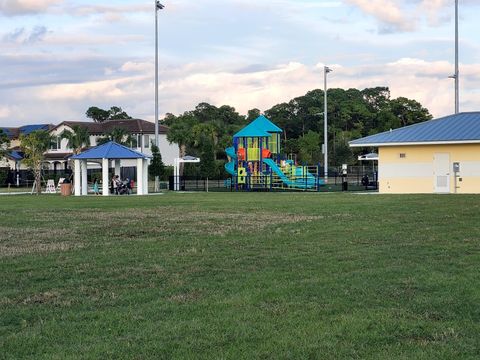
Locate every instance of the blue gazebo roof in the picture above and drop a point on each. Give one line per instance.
(110, 150)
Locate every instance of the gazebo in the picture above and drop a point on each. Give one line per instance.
(107, 152)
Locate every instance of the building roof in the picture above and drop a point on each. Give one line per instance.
(110, 150)
(460, 128)
(15, 155)
(260, 127)
(15, 132)
(132, 126)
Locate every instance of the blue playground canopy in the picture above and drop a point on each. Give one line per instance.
(110, 150)
(260, 127)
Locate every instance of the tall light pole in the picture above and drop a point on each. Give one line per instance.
(158, 6)
(456, 76)
(326, 70)
(457, 71)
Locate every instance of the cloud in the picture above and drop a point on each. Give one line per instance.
(404, 16)
(184, 86)
(5, 112)
(388, 12)
(22, 7)
(22, 36)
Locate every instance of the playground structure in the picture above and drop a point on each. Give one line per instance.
(255, 161)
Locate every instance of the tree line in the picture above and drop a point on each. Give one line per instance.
(207, 130)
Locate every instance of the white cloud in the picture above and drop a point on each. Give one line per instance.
(388, 12)
(20, 7)
(183, 87)
(5, 112)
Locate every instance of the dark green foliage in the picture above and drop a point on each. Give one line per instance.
(3, 176)
(120, 136)
(101, 115)
(309, 151)
(156, 167)
(97, 114)
(4, 143)
(207, 159)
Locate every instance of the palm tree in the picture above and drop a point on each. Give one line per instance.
(76, 140)
(205, 132)
(119, 135)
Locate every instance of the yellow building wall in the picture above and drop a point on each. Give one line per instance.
(414, 173)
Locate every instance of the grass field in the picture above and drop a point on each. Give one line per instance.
(240, 276)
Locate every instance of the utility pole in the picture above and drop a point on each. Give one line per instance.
(326, 70)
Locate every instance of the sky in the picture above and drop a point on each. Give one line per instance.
(59, 57)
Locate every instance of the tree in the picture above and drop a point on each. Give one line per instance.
(253, 114)
(77, 139)
(207, 158)
(156, 168)
(408, 111)
(119, 135)
(309, 147)
(116, 113)
(4, 144)
(101, 115)
(180, 132)
(34, 146)
(97, 114)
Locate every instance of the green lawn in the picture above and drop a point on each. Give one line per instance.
(240, 276)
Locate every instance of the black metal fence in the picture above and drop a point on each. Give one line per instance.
(357, 178)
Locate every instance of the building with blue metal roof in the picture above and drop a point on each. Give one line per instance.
(436, 156)
(459, 128)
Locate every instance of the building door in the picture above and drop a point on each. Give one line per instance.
(441, 172)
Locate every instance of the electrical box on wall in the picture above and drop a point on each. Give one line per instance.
(456, 167)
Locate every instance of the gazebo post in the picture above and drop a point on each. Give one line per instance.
(83, 166)
(140, 175)
(77, 178)
(105, 185)
(145, 176)
(117, 166)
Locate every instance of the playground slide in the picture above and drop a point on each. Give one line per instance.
(300, 183)
(309, 177)
(230, 166)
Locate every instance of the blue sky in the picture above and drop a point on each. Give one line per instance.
(59, 57)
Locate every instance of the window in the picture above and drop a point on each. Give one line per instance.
(56, 143)
(403, 155)
(146, 141)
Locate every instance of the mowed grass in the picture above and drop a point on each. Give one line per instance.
(240, 276)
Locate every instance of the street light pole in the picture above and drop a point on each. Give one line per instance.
(326, 70)
(457, 75)
(158, 6)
